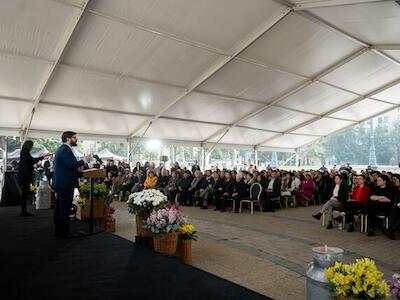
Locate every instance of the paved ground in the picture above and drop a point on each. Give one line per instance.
(269, 252)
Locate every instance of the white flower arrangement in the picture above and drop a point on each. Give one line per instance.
(145, 201)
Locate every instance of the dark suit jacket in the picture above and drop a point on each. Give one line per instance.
(240, 188)
(343, 194)
(276, 187)
(25, 168)
(66, 168)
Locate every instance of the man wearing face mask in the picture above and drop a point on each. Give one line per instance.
(65, 181)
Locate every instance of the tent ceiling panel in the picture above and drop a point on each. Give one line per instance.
(318, 98)
(374, 23)
(290, 141)
(277, 119)
(363, 110)
(392, 94)
(241, 79)
(171, 129)
(364, 74)
(33, 28)
(49, 117)
(78, 87)
(203, 107)
(195, 20)
(78, 3)
(394, 53)
(21, 77)
(238, 135)
(306, 52)
(17, 110)
(323, 126)
(116, 47)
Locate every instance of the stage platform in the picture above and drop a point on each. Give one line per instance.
(36, 265)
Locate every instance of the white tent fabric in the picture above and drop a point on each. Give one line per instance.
(107, 154)
(270, 74)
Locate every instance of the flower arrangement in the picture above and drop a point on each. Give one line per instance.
(33, 189)
(395, 286)
(165, 220)
(99, 191)
(109, 218)
(111, 210)
(360, 280)
(145, 201)
(187, 232)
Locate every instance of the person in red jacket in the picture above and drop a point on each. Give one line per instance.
(358, 200)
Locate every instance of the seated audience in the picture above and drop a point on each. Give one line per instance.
(127, 186)
(287, 185)
(272, 190)
(358, 200)
(195, 186)
(151, 181)
(184, 186)
(239, 191)
(162, 181)
(381, 201)
(172, 187)
(306, 190)
(394, 219)
(249, 180)
(228, 188)
(207, 187)
(339, 196)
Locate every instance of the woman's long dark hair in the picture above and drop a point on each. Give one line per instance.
(26, 147)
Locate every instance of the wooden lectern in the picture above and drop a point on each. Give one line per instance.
(91, 174)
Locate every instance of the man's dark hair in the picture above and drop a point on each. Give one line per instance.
(67, 134)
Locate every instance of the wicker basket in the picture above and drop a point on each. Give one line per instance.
(165, 243)
(110, 226)
(99, 209)
(184, 251)
(345, 298)
(141, 230)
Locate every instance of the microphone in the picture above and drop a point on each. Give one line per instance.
(98, 159)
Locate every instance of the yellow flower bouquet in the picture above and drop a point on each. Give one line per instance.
(360, 280)
(187, 232)
(33, 189)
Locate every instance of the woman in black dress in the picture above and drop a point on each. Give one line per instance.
(25, 174)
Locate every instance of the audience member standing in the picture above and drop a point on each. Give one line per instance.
(25, 174)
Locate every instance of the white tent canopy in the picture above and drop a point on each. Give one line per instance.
(261, 73)
(107, 154)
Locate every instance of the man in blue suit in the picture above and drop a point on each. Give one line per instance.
(65, 180)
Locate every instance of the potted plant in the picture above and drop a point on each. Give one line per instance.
(99, 195)
(187, 234)
(359, 280)
(164, 224)
(142, 204)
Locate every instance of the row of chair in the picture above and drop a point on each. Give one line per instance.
(363, 220)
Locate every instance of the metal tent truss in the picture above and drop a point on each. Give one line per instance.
(260, 75)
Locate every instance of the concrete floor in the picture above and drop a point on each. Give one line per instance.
(269, 252)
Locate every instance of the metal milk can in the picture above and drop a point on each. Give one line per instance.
(317, 287)
(43, 197)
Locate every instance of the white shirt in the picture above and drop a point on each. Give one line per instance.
(336, 191)
(271, 184)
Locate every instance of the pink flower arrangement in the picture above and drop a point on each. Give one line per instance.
(395, 286)
(109, 218)
(165, 220)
